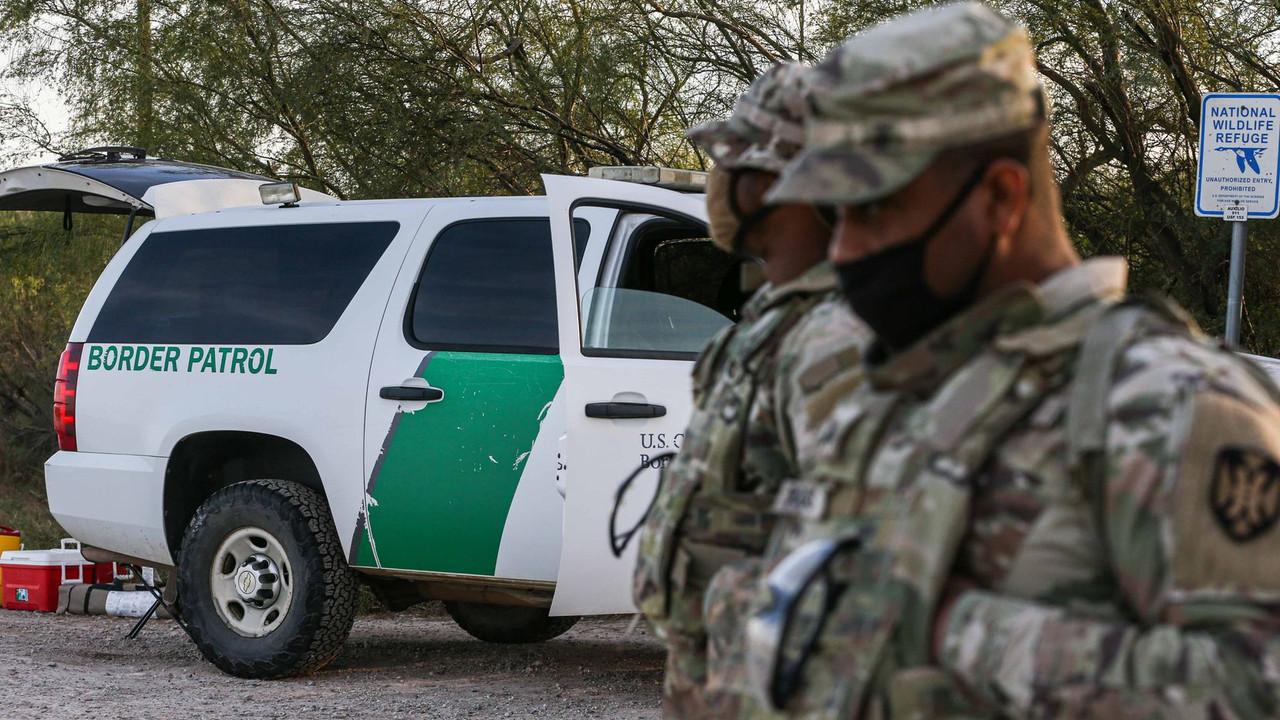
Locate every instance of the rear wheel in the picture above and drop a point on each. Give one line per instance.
(265, 588)
(508, 623)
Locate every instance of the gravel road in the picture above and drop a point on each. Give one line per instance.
(394, 666)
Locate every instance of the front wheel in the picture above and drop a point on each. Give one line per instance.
(263, 583)
(508, 623)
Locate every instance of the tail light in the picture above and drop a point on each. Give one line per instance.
(64, 396)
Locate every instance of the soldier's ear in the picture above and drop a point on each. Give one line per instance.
(1009, 191)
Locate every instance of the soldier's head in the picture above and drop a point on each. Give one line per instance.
(750, 149)
(930, 134)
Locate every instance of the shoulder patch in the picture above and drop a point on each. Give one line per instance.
(1245, 492)
(1226, 501)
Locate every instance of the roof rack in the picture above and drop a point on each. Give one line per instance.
(108, 153)
(669, 178)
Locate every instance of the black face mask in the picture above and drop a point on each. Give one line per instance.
(888, 290)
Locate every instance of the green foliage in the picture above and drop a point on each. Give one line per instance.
(45, 274)
(23, 507)
(392, 98)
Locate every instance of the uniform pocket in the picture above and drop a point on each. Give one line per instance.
(726, 607)
(929, 693)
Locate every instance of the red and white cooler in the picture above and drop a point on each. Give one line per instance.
(32, 577)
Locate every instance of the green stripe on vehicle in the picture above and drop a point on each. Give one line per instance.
(445, 484)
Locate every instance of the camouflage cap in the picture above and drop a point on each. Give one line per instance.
(766, 128)
(887, 101)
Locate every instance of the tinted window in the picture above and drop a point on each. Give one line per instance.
(278, 285)
(489, 286)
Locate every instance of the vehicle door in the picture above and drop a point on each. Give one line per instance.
(638, 297)
(461, 418)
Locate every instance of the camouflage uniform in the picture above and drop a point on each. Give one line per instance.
(1103, 476)
(710, 516)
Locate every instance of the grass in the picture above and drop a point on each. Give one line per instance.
(23, 507)
(45, 273)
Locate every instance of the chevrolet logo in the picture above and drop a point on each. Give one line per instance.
(1245, 494)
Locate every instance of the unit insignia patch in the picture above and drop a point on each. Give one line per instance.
(1245, 493)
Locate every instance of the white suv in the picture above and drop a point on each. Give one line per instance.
(441, 395)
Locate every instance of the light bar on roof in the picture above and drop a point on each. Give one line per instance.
(669, 178)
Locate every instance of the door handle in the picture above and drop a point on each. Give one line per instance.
(625, 410)
(408, 392)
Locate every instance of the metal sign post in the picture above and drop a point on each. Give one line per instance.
(1237, 178)
(1235, 282)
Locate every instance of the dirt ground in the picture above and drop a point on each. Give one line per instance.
(393, 666)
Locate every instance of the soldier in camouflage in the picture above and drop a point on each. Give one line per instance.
(1045, 499)
(749, 392)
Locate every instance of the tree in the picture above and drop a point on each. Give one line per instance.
(437, 97)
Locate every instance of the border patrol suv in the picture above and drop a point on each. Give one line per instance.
(441, 395)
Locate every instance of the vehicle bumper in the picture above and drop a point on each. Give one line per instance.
(114, 502)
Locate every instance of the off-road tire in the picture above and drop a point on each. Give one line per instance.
(323, 605)
(508, 623)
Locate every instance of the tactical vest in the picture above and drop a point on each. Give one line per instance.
(703, 518)
(909, 502)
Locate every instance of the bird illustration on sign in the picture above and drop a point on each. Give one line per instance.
(1245, 156)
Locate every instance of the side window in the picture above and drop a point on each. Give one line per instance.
(275, 284)
(487, 286)
(663, 288)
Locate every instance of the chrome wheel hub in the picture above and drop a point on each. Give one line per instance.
(257, 581)
(251, 582)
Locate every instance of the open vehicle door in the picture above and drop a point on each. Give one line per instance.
(640, 290)
(124, 181)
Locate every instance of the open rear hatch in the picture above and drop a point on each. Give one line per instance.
(124, 181)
